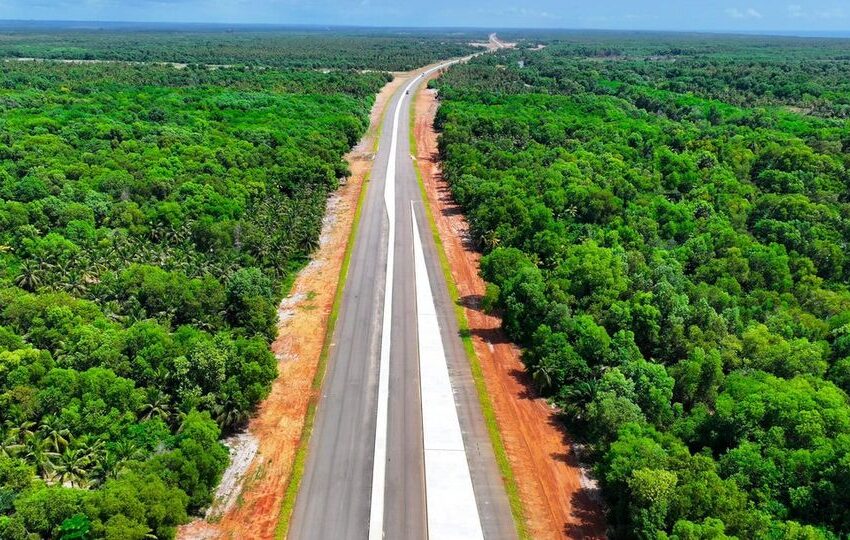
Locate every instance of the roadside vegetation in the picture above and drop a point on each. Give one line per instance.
(665, 225)
(150, 219)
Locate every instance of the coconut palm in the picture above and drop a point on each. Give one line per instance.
(94, 449)
(112, 310)
(30, 276)
(71, 468)
(156, 406)
(21, 432)
(76, 285)
(542, 377)
(108, 464)
(578, 395)
(55, 431)
(126, 450)
(9, 447)
(61, 277)
(179, 420)
(39, 452)
(230, 416)
(134, 311)
(586, 389)
(106, 467)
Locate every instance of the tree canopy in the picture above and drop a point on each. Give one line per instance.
(150, 217)
(665, 225)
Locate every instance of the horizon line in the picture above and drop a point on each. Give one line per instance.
(801, 33)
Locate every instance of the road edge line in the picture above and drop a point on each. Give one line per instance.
(487, 409)
(293, 484)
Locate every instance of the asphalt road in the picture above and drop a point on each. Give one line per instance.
(336, 496)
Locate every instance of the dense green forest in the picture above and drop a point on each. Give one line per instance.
(150, 218)
(806, 75)
(665, 225)
(391, 50)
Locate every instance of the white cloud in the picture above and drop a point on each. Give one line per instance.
(796, 11)
(522, 12)
(748, 13)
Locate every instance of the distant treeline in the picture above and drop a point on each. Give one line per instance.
(389, 51)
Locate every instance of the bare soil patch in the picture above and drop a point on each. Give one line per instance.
(303, 318)
(559, 499)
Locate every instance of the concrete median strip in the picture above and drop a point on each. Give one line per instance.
(450, 499)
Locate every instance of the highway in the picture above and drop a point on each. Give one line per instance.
(399, 448)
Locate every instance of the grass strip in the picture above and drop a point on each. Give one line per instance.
(487, 409)
(297, 473)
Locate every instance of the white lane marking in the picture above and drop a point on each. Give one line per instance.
(379, 464)
(450, 498)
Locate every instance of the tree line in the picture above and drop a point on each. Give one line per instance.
(282, 48)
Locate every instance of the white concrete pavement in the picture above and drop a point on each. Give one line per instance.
(452, 511)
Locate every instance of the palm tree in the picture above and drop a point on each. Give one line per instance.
(30, 276)
(578, 395)
(61, 276)
(157, 406)
(76, 285)
(126, 450)
(112, 310)
(94, 450)
(21, 432)
(71, 467)
(134, 311)
(55, 432)
(108, 464)
(542, 377)
(230, 416)
(94, 269)
(582, 392)
(490, 240)
(106, 467)
(161, 376)
(208, 325)
(167, 313)
(9, 447)
(179, 420)
(38, 451)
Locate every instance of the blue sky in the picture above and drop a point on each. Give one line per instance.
(752, 15)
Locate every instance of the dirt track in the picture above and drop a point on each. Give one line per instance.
(560, 501)
(303, 318)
